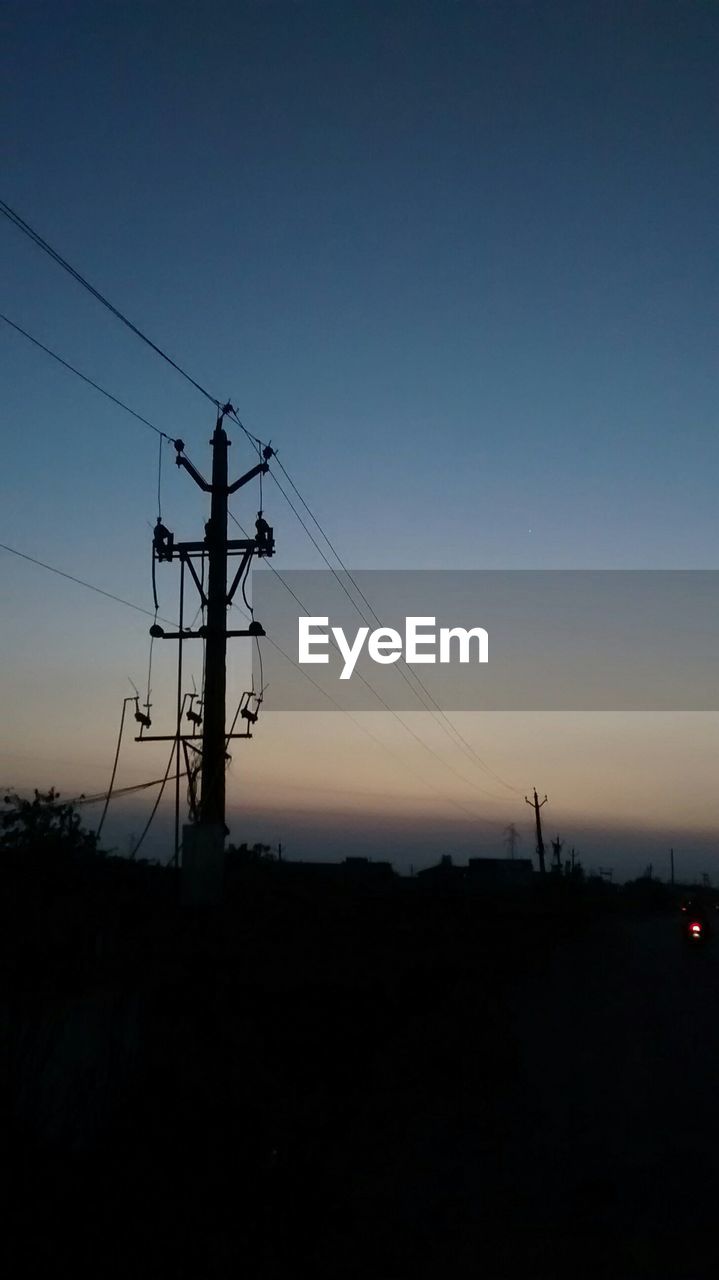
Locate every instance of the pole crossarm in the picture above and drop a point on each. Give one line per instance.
(260, 470)
(254, 629)
(184, 737)
(234, 546)
(182, 461)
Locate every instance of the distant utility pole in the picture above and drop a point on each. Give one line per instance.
(557, 846)
(512, 838)
(671, 866)
(203, 843)
(537, 805)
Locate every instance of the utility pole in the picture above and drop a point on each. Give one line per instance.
(557, 846)
(203, 842)
(537, 805)
(671, 866)
(212, 795)
(512, 838)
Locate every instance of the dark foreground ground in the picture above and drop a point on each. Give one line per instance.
(350, 1083)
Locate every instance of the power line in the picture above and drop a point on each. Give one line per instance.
(457, 804)
(138, 608)
(108, 797)
(425, 746)
(155, 807)
(452, 732)
(37, 239)
(378, 741)
(81, 583)
(457, 736)
(255, 440)
(85, 378)
(119, 792)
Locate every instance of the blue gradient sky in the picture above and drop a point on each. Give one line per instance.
(459, 262)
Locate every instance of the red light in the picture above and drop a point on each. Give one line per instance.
(695, 929)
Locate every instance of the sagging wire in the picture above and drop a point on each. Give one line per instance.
(148, 824)
(119, 792)
(203, 677)
(149, 676)
(143, 720)
(159, 484)
(243, 584)
(114, 768)
(251, 612)
(196, 716)
(262, 673)
(154, 582)
(159, 526)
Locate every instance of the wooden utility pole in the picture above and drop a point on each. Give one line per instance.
(537, 805)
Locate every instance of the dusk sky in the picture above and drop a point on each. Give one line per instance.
(458, 262)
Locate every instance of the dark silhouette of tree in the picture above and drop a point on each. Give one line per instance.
(44, 823)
